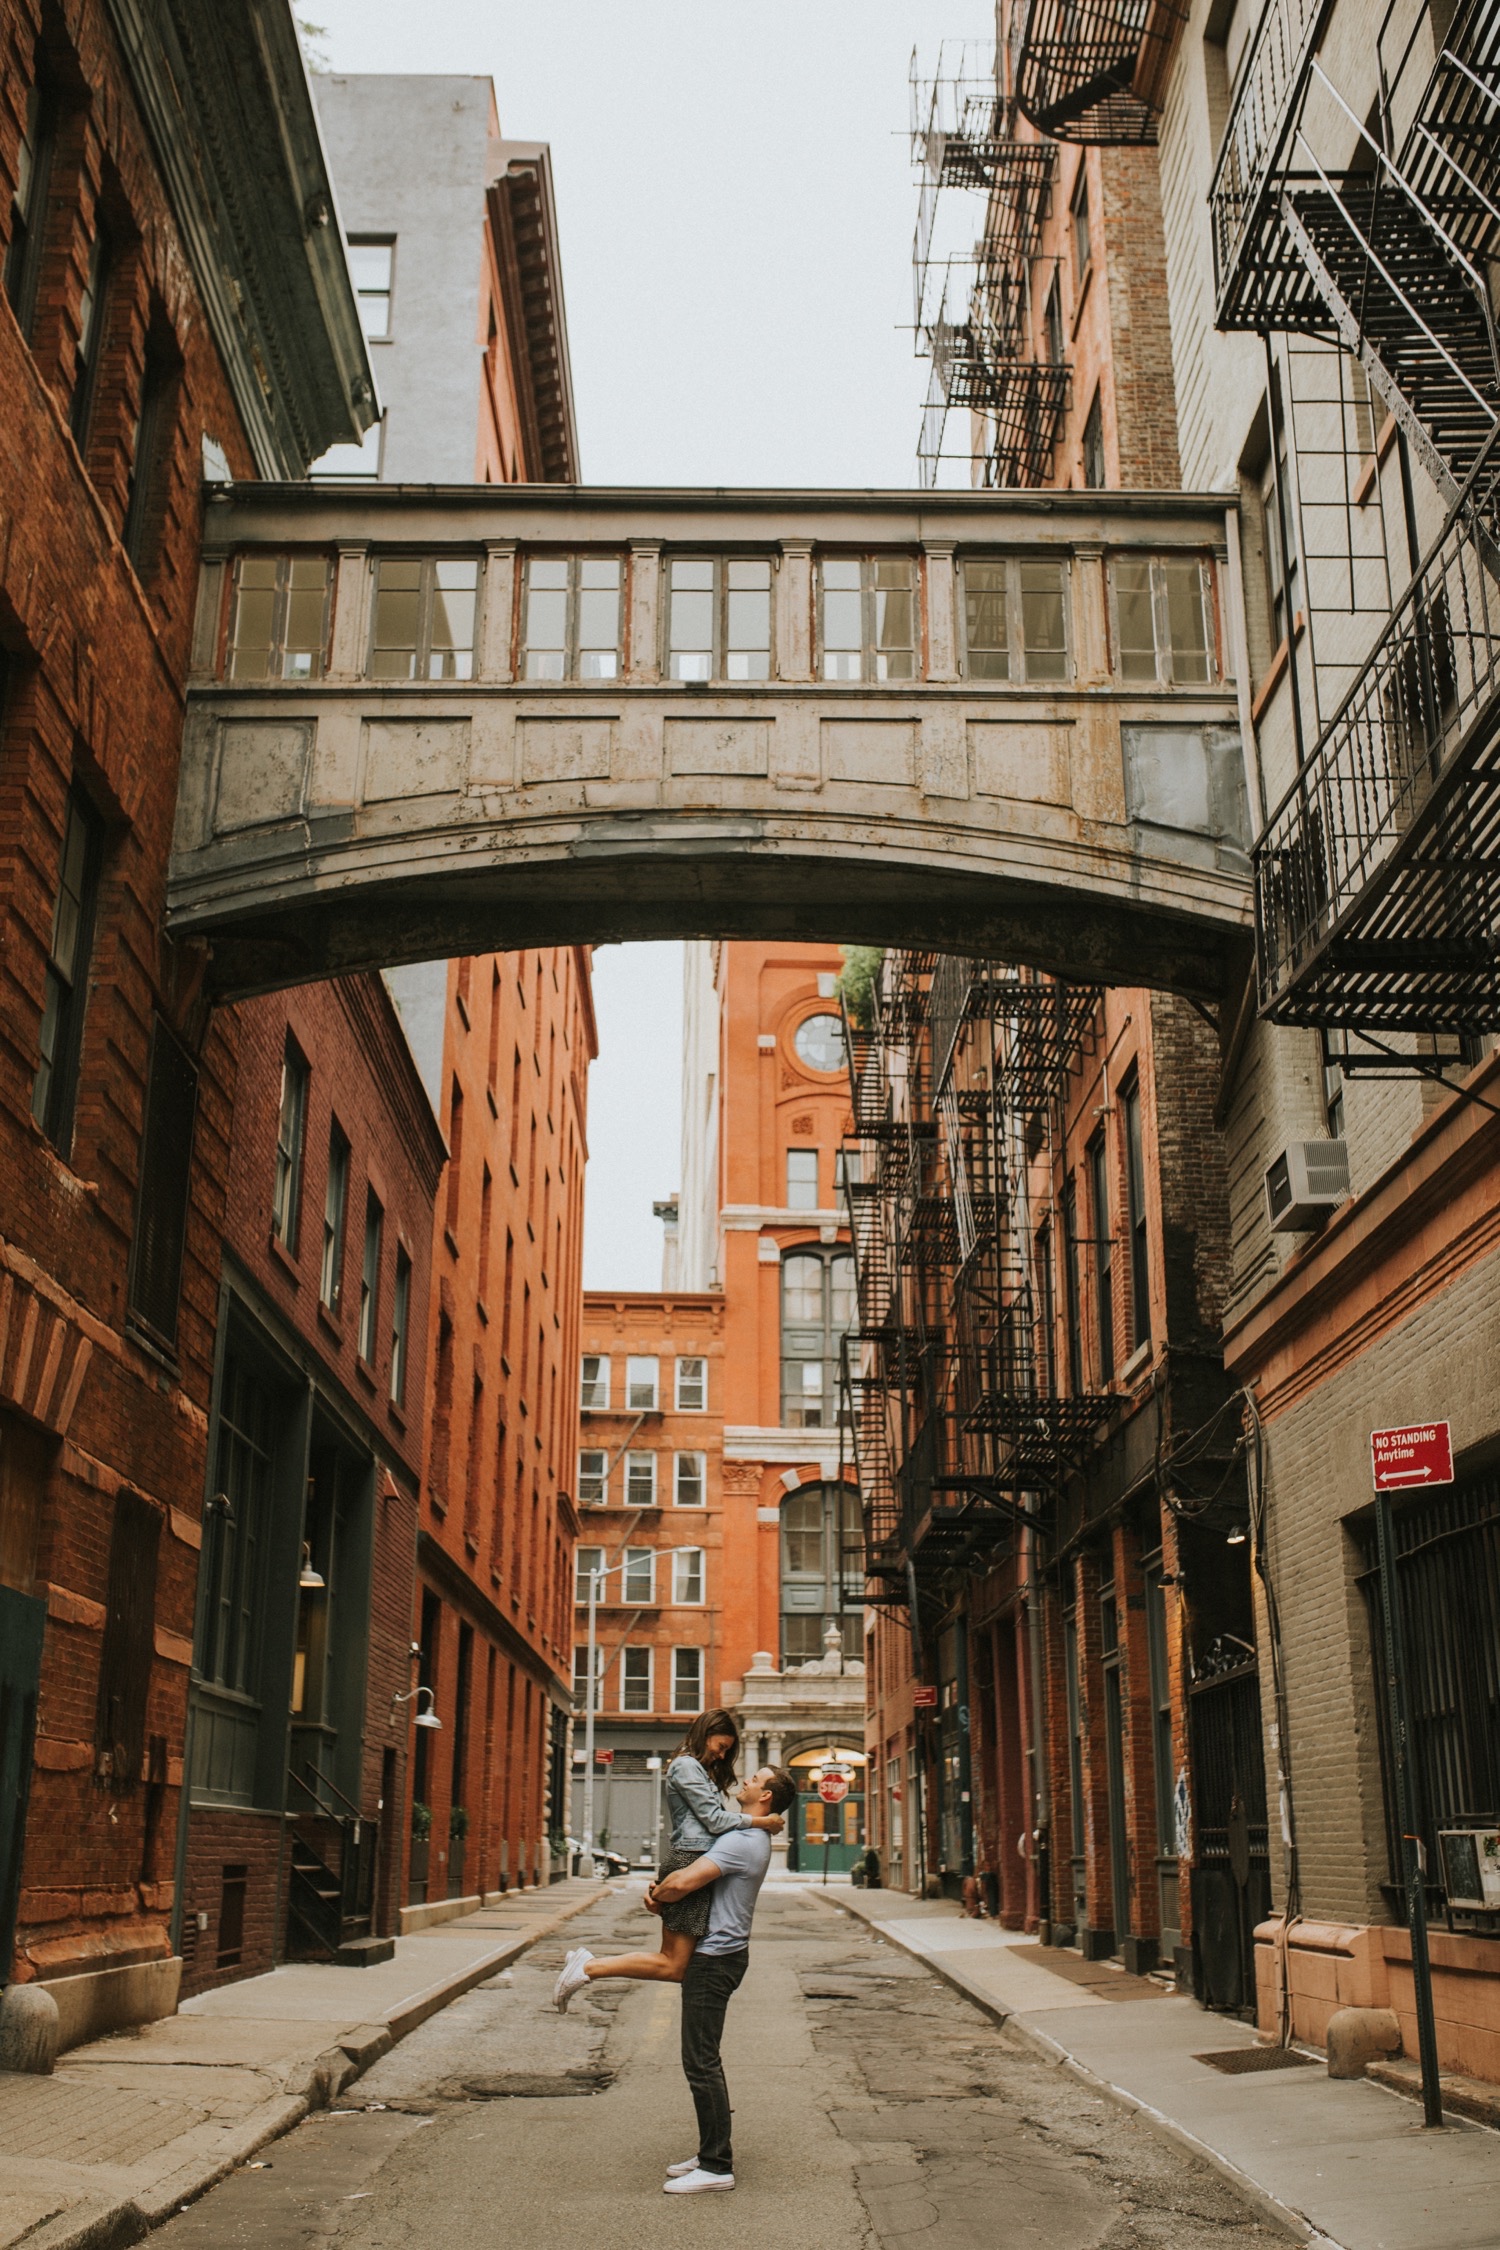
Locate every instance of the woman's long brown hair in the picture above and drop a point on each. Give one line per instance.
(720, 1771)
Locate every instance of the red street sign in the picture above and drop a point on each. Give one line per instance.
(833, 1788)
(1422, 1454)
(604, 1757)
(924, 1698)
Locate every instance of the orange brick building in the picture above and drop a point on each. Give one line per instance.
(651, 1526)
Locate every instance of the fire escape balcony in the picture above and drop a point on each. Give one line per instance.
(1378, 876)
(978, 363)
(1094, 70)
(1320, 229)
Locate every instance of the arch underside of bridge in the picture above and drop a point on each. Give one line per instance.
(1092, 824)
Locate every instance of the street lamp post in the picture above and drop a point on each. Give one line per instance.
(597, 1577)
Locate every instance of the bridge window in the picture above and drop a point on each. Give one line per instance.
(718, 618)
(279, 629)
(572, 618)
(1161, 619)
(424, 620)
(869, 618)
(1015, 619)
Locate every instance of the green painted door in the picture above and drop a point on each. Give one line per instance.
(841, 1826)
(22, 1620)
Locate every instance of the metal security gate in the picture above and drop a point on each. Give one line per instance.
(1231, 1881)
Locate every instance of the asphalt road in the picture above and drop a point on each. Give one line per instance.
(874, 2109)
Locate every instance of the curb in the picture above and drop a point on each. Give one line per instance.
(119, 2225)
(1268, 2206)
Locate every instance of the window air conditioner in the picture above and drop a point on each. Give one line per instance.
(1307, 1181)
(1470, 1860)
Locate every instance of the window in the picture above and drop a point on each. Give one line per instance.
(692, 1386)
(822, 1570)
(90, 334)
(153, 435)
(291, 1128)
(718, 619)
(688, 1485)
(279, 626)
(847, 1170)
(28, 210)
(371, 267)
(817, 1308)
(400, 1327)
(640, 1480)
(335, 1212)
(424, 620)
(161, 1207)
(593, 1477)
(640, 1574)
(1015, 619)
(1094, 472)
(1104, 1302)
(55, 1093)
(1161, 618)
(819, 1042)
(587, 1561)
(635, 1679)
(369, 1279)
(581, 1678)
(642, 1379)
(687, 1574)
(234, 1532)
(802, 1179)
(687, 1679)
(594, 1388)
(1079, 213)
(868, 618)
(1135, 1218)
(572, 618)
(1052, 318)
(1072, 1288)
(1333, 1090)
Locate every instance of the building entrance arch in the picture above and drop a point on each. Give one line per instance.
(434, 722)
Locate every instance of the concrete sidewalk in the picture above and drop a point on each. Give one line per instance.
(131, 2127)
(1339, 2163)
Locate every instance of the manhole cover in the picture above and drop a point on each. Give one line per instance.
(527, 2085)
(1235, 2061)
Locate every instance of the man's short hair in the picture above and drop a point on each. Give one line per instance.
(779, 1787)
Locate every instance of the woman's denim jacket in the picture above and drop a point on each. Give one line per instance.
(696, 1811)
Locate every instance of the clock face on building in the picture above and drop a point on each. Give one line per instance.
(819, 1042)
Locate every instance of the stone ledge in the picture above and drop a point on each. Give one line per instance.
(438, 1910)
(1473, 2098)
(99, 2000)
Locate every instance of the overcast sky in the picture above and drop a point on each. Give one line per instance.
(736, 205)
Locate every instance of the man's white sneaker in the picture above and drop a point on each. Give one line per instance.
(694, 2182)
(571, 1978)
(680, 2171)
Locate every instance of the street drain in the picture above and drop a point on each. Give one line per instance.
(1235, 2061)
(526, 2085)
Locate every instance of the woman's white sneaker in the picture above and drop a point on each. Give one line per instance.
(697, 2183)
(680, 2171)
(571, 1978)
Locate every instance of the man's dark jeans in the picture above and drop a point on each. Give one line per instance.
(711, 1982)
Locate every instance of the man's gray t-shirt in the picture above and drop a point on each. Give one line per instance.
(742, 1858)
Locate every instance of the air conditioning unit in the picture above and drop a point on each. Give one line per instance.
(1307, 1181)
(1470, 1859)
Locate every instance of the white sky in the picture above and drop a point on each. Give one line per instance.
(736, 205)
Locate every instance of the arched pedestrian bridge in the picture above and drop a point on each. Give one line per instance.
(426, 721)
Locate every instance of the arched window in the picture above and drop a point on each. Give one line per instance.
(817, 1307)
(822, 1570)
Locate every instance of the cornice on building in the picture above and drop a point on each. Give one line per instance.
(749, 1218)
(376, 1021)
(523, 217)
(226, 103)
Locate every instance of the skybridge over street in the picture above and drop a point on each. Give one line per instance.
(428, 722)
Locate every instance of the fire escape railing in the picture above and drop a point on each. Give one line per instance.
(1095, 70)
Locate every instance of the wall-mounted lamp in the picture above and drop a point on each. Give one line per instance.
(309, 1579)
(427, 1718)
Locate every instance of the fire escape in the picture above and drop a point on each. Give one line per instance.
(1093, 70)
(973, 312)
(962, 1435)
(1378, 875)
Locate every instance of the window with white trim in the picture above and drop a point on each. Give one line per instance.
(640, 1574)
(689, 1482)
(1162, 625)
(642, 1385)
(593, 1391)
(687, 1679)
(640, 1480)
(581, 1676)
(586, 1560)
(635, 1679)
(593, 1477)
(692, 1386)
(687, 1574)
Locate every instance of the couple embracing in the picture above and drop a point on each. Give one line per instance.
(705, 1893)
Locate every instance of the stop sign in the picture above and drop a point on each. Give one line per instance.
(834, 1786)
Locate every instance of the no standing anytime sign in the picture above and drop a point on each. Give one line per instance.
(1419, 1455)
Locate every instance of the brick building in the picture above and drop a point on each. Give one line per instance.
(460, 282)
(302, 1679)
(651, 1528)
(156, 314)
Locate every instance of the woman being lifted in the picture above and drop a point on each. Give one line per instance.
(698, 1809)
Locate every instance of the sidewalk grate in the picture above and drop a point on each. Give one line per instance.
(1236, 2061)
